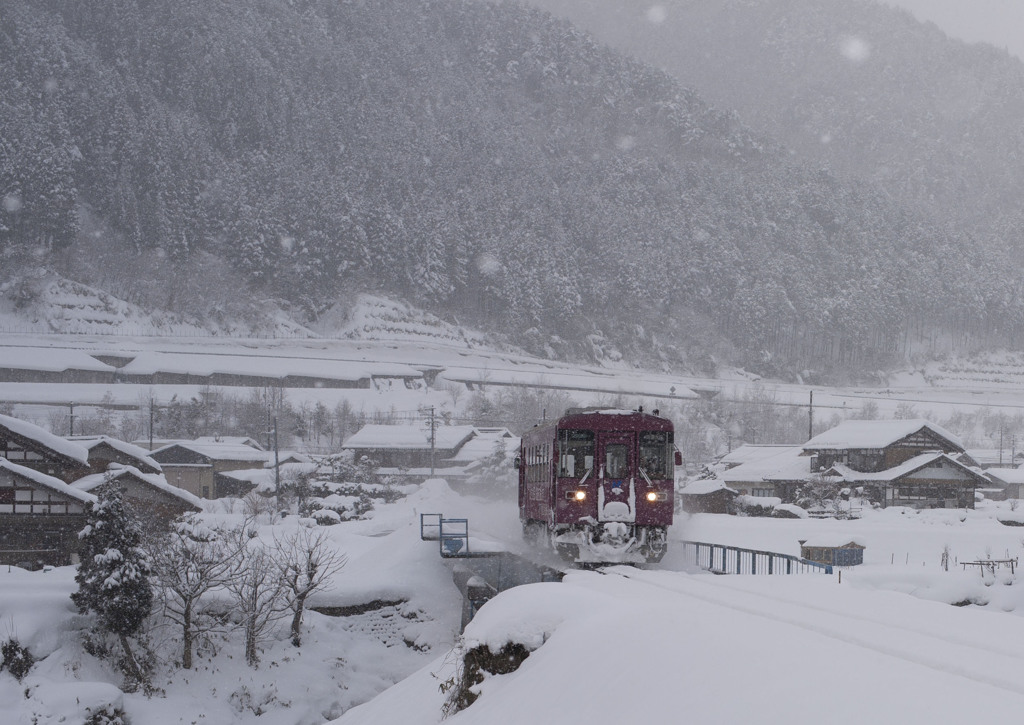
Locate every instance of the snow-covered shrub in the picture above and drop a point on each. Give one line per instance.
(326, 517)
(107, 715)
(756, 505)
(16, 658)
(789, 511)
(474, 666)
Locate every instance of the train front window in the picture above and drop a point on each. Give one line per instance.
(576, 453)
(656, 454)
(616, 460)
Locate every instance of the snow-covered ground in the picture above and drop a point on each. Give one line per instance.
(880, 644)
(611, 646)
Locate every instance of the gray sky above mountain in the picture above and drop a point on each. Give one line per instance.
(999, 22)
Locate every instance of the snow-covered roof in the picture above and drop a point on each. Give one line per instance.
(482, 445)
(32, 358)
(155, 480)
(149, 362)
(749, 452)
(1005, 475)
(833, 542)
(409, 437)
(158, 443)
(45, 438)
(891, 474)
(703, 486)
(232, 440)
(54, 484)
(263, 478)
(221, 451)
(990, 456)
(874, 434)
(250, 475)
(288, 457)
(786, 463)
(129, 449)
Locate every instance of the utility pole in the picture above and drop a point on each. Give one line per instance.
(433, 440)
(71, 427)
(152, 415)
(810, 417)
(277, 466)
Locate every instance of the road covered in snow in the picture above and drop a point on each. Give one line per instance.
(623, 645)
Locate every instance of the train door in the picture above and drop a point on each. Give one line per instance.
(616, 493)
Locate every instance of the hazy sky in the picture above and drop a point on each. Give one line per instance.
(999, 22)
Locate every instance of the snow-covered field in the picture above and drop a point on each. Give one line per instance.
(386, 339)
(616, 645)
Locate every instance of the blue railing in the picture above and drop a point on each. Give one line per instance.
(723, 559)
(452, 535)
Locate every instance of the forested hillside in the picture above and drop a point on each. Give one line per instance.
(856, 84)
(485, 161)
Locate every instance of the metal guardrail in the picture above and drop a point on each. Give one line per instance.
(723, 559)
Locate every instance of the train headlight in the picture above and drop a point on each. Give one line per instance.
(576, 495)
(653, 496)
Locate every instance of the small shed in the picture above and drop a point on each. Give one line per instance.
(830, 552)
(706, 496)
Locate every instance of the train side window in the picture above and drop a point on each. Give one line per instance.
(576, 453)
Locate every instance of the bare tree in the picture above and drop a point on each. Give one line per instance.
(307, 561)
(189, 561)
(258, 590)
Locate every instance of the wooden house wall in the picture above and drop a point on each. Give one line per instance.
(39, 458)
(914, 445)
(37, 525)
(196, 479)
(716, 502)
(933, 487)
(103, 454)
(179, 454)
(404, 458)
(39, 538)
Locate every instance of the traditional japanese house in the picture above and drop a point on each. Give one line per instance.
(193, 465)
(929, 480)
(876, 445)
(26, 444)
(149, 496)
(104, 450)
(40, 517)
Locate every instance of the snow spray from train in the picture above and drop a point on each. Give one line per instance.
(598, 485)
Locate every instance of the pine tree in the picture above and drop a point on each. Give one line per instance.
(113, 576)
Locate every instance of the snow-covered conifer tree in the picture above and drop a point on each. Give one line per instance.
(113, 576)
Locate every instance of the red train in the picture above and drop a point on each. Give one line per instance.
(598, 485)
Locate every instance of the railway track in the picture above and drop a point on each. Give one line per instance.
(995, 661)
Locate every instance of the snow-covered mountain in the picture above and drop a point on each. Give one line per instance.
(486, 162)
